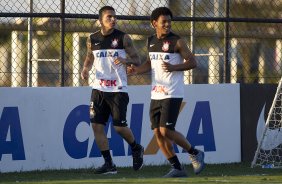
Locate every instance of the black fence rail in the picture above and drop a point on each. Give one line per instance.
(43, 42)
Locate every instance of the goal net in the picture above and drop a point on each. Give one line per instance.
(269, 150)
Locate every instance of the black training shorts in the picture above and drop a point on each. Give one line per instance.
(164, 113)
(105, 104)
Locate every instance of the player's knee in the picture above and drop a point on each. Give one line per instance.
(119, 129)
(156, 131)
(164, 131)
(97, 127)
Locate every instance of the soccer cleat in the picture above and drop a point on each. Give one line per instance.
(198, 162)
(176, 173)
(138, 158)
(106, 169)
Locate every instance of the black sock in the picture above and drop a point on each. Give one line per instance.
(107, 156)
(193, 151)
(175, 162)
(134, 146)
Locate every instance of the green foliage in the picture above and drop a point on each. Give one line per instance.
(5, 36)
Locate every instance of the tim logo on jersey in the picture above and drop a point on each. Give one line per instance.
(160, 89)
(108, 83)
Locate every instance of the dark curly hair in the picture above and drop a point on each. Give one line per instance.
(160, 11)
(104, 8)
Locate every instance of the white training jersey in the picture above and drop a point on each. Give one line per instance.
(165, 84)
(109, 77)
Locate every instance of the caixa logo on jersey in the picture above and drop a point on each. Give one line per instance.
(10, 120)
(107, 54)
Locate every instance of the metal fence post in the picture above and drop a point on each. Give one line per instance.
(29, 47)
(214, 50)
(192, 43)
(226, 45)
(278, 56)
(234, 60)
(17, 65)
(62, 31)
(75, 59)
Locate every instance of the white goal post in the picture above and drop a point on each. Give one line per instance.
(269, 150)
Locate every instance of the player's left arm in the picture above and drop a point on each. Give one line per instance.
(130, 51)
(189, 59)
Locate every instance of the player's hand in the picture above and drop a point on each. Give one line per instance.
(131, 70)
(85, 73)
(167, 67)
(119, 60)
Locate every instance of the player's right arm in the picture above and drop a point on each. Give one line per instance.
(88, 62)
(146, 67)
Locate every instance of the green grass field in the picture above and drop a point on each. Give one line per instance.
(219, 173)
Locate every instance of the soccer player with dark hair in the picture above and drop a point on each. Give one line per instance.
(168, 57)
(107, 50)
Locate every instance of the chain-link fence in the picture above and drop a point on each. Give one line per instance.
(43, 42)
